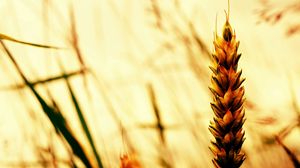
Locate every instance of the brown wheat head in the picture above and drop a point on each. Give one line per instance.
(228, 99)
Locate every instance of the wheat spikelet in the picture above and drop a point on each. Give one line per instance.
(130, 161)
(228, 99)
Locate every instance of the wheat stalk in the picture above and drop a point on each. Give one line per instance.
(228, 99)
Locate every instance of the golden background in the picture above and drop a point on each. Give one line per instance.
(129, 46)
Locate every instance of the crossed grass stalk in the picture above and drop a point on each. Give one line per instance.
(228, 99)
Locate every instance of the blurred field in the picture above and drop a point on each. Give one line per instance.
(133, 77)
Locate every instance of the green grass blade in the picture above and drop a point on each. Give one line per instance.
(55, 117)
(60, 124)
(84, 124)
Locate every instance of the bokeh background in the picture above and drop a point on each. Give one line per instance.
(138, 71)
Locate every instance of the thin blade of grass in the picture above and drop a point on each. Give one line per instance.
(43, 81)
(83, 121)
(159, 126)
(291, 155)
(56, 118)
(100, 86)
(5, 37)
(165, 159)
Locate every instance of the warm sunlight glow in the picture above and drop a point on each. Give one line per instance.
(95, 83)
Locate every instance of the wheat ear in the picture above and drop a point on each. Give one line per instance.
(228, 99)
(130, 161)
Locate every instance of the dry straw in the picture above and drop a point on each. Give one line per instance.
(5, 37)
(228, 99)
